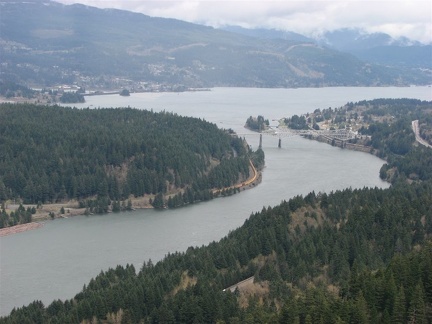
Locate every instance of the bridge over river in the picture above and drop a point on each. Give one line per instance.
(338, 135)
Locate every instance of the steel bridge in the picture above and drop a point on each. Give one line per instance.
(341, 135)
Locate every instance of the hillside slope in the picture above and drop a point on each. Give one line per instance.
(46, 43)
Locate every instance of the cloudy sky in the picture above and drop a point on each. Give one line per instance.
(409, 18)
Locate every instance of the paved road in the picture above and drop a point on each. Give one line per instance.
(415, 128)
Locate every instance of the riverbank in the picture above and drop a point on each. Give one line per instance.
(41, 98)
(343, 144)
(248, 184)
(19, 228)
(72, 208)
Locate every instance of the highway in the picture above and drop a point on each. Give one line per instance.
(415, 128)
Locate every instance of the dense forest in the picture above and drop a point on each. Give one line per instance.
(350, 256)
(103, 156)
(9, 89)
(392, 137)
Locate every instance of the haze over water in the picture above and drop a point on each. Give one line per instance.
(56, 260)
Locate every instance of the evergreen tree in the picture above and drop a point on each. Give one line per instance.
(417, 310)
(399, 309)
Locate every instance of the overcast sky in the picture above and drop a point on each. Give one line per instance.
(409, 18)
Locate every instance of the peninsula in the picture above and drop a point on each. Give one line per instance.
(113, 160)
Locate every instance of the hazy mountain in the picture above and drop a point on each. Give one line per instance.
(45, 43)
(379, 48)
(348, 39)
(415, 56)
(269, 33)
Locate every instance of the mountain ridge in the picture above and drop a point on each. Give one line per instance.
(378, 48)
(47, 43)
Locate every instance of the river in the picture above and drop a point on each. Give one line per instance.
(56, 260)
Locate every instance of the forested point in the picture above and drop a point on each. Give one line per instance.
(350, 256)
(102, 157)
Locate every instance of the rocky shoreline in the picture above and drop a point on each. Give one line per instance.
(343, 144)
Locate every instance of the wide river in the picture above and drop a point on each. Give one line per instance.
(56, 260)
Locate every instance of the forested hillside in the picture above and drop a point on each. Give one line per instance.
(389, 125)
(343, 257)
(350, 256)
(51, 154)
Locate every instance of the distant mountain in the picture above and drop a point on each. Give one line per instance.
(415, 56)
(268, 33)
(348, 39)
(44, 43)
(379, 48)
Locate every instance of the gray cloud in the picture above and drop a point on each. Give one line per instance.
(409, 18)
